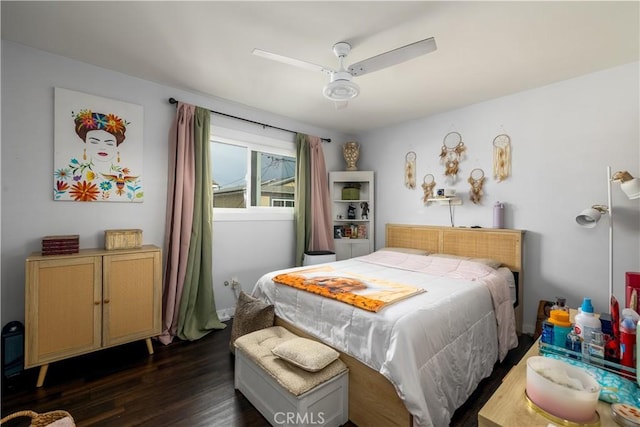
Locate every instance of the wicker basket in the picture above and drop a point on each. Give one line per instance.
(40, 420)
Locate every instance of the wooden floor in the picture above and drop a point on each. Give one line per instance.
(183, 384)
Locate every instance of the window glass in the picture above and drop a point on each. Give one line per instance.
(229, 175)
(248, 176)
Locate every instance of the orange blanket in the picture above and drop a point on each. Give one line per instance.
(354, 289)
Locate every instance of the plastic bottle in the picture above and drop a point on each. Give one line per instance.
(628, 326)
(561, 327)
(585, 325)
(547, 332)
(498, 215)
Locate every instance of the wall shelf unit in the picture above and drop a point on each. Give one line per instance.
(446, 201)
(352, 192)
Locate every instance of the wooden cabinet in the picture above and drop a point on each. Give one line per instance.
(76, 304)
(353, 234)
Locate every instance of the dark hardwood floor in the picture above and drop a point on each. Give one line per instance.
(183, 384)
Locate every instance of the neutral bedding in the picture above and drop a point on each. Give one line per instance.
(434, 347)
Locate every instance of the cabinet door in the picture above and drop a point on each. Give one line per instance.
(132, 297)
(63, 308)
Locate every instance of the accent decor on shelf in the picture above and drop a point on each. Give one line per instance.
(351, 153)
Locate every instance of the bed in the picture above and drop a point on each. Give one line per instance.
(417, 360)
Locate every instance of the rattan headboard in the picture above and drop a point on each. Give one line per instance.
(500, 244)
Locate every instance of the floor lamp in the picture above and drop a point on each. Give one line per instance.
(589, 217)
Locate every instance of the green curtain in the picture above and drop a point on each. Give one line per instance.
(198, 314)
(303, 197)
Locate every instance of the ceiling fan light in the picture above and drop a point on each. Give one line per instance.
(341, 90)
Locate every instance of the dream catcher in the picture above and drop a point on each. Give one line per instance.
(428, 182)
(451, 153)
(501, 157)
(410, 170)
(476, 179)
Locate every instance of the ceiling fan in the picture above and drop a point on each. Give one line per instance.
(341, 88)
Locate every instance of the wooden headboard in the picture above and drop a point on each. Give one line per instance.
(499, 244)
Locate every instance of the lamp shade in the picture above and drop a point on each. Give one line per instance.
(589, 217)
(341, 90)
(631, 188)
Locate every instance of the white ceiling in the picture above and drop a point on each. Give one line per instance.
(485, 49)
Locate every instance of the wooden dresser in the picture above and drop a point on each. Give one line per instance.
(508, 407)
(76, 304)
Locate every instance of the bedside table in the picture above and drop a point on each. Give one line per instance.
(508, 406)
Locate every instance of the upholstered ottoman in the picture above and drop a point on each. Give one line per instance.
(292, 381)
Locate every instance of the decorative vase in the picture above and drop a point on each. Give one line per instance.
(351, 153)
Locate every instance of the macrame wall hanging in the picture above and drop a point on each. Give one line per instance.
(428, 183)
(451, 153)
(410, 170)
(476, 179)
(501, 157)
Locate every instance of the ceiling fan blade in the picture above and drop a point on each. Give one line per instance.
(393, 57)
(292, 61)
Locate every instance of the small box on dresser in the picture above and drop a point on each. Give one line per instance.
(122, 239)
(61, 245)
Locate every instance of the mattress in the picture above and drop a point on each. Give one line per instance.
(434, 347)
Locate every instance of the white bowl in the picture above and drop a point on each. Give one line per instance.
(561, 389)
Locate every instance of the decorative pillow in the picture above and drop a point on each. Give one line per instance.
(306, 354)
(251, 315)
(486, 261)
(406, 251)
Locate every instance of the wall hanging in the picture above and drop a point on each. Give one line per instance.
(501, 157)
(97, 149)
(410, 170)
(428, 183)
(476, 179)
(451, 153)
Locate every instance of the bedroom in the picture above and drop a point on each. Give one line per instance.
(564, 134)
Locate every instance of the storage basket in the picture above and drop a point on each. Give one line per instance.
(122, 239)
(350, 193)
(41, 420)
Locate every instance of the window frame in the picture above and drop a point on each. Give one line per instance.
(260, 143)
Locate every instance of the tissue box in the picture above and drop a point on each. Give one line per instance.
(122, 239)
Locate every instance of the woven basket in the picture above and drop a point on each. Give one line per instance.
(39, 420)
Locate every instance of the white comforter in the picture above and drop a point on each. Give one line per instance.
(434, 347)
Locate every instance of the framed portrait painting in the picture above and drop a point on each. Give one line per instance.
(97, 149)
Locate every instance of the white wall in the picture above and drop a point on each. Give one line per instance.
(563, 136)
(243, 249)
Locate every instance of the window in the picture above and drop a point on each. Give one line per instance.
(251, 173)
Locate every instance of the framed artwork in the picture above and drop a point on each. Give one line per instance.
(97, 149)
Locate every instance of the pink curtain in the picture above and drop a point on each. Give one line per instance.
(321, 226)
(180, 201)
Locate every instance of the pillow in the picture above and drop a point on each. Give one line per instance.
(486, 261)
(406, 251)
(251, 315)
(306, 354)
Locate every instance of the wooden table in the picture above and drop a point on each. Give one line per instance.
(508, 406)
